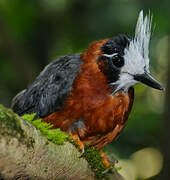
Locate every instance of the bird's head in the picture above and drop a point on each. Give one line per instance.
(125, 61)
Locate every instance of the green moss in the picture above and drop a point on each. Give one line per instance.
(2, 114)
(9, 123)
(93, 157)
(54, 135)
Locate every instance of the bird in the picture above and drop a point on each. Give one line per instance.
(90, 94)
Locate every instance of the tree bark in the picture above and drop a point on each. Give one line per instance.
(25, 153)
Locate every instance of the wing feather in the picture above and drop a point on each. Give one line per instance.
(50, 88)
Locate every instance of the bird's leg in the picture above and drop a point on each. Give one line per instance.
(104, 159)
(108, 162)
(78, 141)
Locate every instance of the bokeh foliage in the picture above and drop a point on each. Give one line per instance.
(34, 32)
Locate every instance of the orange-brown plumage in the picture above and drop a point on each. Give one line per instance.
(90, 99)
(90, 95)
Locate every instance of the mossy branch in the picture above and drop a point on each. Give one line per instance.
(34, 152)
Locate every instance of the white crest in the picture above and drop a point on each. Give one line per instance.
(136, 55)
(142, 34)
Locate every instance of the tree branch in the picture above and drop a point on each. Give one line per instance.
(25, 153)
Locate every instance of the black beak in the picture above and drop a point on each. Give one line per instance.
(147, 79)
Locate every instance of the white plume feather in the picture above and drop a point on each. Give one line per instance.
(143, 34)
(136, 55)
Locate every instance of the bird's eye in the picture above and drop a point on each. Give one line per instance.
(118, 61)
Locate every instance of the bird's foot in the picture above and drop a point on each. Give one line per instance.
(108, 161)
(80, 144)
(104, 159)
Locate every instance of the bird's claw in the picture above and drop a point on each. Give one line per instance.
(79, 142)
(109, 162)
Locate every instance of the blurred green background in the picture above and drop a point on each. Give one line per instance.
(34, 32)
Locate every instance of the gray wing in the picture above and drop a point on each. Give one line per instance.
(51, 87)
